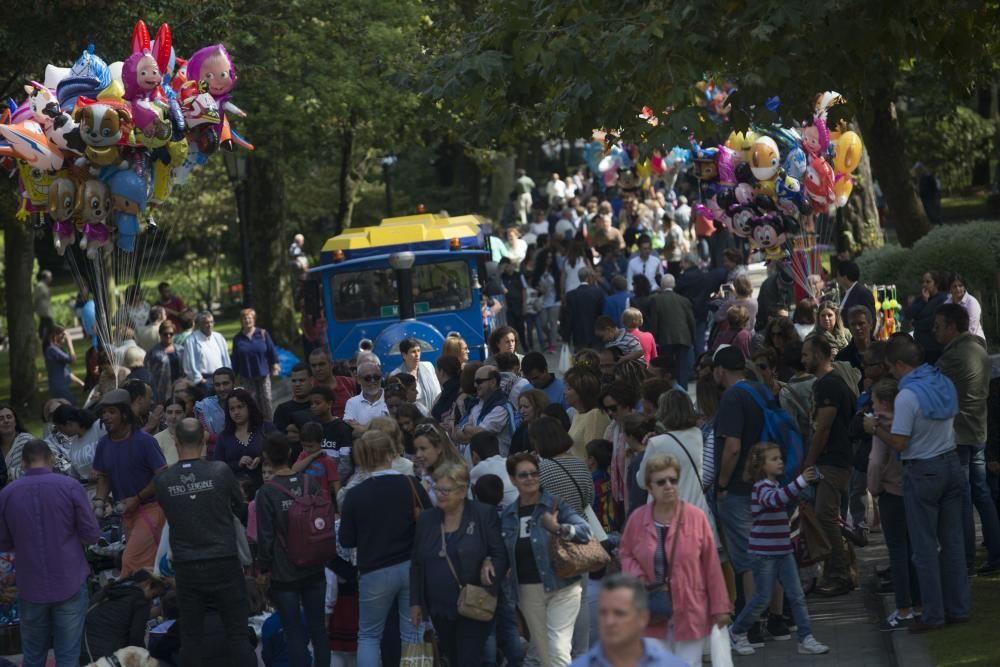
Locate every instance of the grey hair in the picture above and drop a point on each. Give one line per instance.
(200, 317)
(690, 258)
(640, 598)
(667, 281)
(368, 358)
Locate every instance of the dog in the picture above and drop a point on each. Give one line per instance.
(130, 656)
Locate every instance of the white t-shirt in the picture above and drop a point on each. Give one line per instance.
(359, 409)
(496, 465)
(928, 437)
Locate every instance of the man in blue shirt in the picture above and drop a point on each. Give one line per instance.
(623, 610)
(535, 369)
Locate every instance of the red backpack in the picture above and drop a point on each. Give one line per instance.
(310, 537)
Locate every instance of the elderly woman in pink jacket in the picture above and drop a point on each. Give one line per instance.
(669, 544)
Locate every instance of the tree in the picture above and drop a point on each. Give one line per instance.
(543, 66)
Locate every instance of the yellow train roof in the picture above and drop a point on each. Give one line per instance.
(405, 230)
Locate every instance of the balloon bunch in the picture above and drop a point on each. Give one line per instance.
(887, 311)
(96, 146)
(764, 183)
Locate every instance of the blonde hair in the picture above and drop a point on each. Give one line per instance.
(447, 452)
(249, 311)
(659, 463)
(452, 346)
(632, 318)
(754, 471)
(390, 427)
(374, 448)
(456, 472)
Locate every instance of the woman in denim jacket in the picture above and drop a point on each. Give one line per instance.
(549, 604)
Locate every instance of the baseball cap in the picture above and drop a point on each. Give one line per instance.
(117, 397)
(729, 358)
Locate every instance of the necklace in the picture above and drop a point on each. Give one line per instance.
(244, 442)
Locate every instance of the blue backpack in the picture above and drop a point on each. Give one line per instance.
(779, 428)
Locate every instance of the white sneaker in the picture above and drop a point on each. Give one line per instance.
(810, 646)
(740, 643)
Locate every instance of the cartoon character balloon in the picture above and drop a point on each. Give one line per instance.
(819, 185)
(848, 155)
(128, 200)
(765, 159)
(93, 205)
(62, 206)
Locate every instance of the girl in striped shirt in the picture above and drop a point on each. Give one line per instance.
(771, 547)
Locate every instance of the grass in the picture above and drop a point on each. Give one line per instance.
(970, 644)
(962, 207)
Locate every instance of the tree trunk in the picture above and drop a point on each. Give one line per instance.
(346, 206)
(885, 144)
(501, 183)
(19, 258)
(267, 225)
(860, 228)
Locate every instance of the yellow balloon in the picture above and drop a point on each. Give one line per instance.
(766, 188)
(842, 188)
(644, 169)
(848, 154)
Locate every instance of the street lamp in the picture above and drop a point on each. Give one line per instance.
(236, 166)
(388, 162)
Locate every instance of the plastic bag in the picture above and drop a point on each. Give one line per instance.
(565, 358)
(720, 647)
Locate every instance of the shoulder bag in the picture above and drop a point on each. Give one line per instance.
(596, 529)
(572, 559)
(661, 599)
(474, 602)
(418, 506)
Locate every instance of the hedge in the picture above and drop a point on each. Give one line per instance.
(972, 249)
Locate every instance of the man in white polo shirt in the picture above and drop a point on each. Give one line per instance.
(370, 403)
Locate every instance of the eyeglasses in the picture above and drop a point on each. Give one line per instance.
(372, 378)
(611, 409)
(663, 481)
(527, 475)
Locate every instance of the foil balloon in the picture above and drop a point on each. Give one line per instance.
(842, 188)
(848, 155)
(128, 200)
(103, 126)
(62, 206)
(726, 165)
(741, 216)
(791, 200)
(35, 183)
(795, 163)
(88, 76)
(819, 185)
(742, 143)
(93, 206)
(765, 159)
(27, 142)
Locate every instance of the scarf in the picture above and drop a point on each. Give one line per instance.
(491, 402)
(935, 392)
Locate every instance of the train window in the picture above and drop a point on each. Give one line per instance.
(373, 295)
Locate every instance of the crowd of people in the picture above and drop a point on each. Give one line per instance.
(624, 510)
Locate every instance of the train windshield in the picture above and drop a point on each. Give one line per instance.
(373, 294)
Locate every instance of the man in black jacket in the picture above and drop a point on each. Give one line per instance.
(698, 286)
(583, 306)
(199, 499)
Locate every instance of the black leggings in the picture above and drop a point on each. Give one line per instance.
(461, 641)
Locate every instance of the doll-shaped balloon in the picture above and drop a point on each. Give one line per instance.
(128, 200)
(93, 206)
(742, 216)
(104, 126)
(726, 166)
(816, 137)
(213, 67)
(819, 185)
(62, 206)
(142, 76)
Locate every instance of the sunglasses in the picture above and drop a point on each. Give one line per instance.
(663, 481)
(424, 428)
(527, 475)
(372, 378)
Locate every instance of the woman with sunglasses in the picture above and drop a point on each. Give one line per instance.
(764, 367)
(163, 361)
(456, 543)
(779, 334)
(432, 448)
(668, 543)
(549, 603)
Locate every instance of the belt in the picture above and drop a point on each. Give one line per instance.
(950, 452)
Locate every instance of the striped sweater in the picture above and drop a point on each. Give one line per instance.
(770, 535)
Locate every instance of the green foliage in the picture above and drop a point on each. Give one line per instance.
(950, 144)
(971, 249)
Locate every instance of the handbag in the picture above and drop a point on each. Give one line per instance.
(474, 602)
(418, 507)
(571, 559)
(596, 529)
(661, 599)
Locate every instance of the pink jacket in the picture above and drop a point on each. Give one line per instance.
(698, 587)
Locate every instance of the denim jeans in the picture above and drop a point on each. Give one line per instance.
(290, 601)
(767, 569)
(505, 637)
(932, 492)
(905, 586)
(58, 625)
(533, 327)
(377, 590)
(217, 583)
(734, 511)
(977, 494)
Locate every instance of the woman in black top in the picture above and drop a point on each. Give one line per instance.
(118, 615)
(292, 587)
(562, 474)
(379, 520)
(475, 547)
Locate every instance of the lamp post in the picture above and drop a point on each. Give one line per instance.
(236, 166)
(388, 162)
